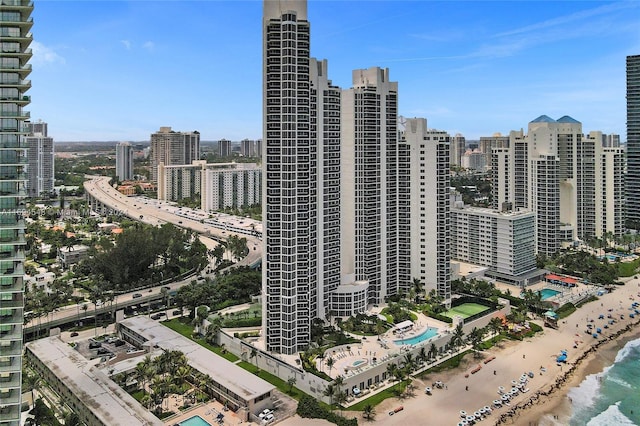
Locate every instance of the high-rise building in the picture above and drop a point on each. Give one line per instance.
(15, 26)
(370, 186)
(633, 142)
(301, 186)
(457, 147)
(571, 181)
(173, 148)
(40, 160)
(216, 185)
(124, 161)
(502, 241)
(429, 205)
(250, 148)
(224, 148)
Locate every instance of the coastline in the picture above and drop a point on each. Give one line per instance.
(551, 401)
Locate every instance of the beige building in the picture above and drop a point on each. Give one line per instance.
(170, 148)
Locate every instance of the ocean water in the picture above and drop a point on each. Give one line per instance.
(611, 397)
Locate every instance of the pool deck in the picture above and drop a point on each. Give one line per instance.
(372, 347)
(207, 411)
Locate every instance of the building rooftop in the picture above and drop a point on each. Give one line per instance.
(238, 380)
(108, 401)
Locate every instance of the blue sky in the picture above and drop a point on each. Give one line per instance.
(118, 70)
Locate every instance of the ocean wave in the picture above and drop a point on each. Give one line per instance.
(584, 395)
(627, 349)
(611, 416)
(619, 381)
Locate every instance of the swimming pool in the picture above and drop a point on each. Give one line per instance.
(427, 334)
(195, 421)
(547, 293)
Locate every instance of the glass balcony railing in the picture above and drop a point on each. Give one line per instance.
(22, 3)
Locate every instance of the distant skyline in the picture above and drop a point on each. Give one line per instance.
(119, 70)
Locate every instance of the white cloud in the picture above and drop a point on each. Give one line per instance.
(45, 55)
(126, 44)
(149, 45)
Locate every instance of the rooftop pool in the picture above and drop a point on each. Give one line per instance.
(414, 340)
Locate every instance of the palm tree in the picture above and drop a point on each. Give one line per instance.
(433, 351)
(457, 337)
(408, 362)
(417, 286)
(368, 412)
(330, 363)
(392, 370)
(330, 391)
(495, 325)
(338, 382)
(291, 381)
(422, 355)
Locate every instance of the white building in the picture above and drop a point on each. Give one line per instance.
(502, 241)
(572, 182)
(301, 187)
(124, 161)
(84, 388)
(171, 148)
(217, 185)
(370, 186)
(457, 147)
(40, 156)
(429, 205)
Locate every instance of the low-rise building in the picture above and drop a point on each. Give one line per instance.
(238, 389)
(68, 256)
(87, 391)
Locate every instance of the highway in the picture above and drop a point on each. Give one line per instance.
(154, 213)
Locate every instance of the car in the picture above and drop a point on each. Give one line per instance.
(136, 295)
(265, 413)
(155, 316)
(267, 418)
(94, 345)
(74, 333)
(162, 314)
(118, 343)
(177, 312)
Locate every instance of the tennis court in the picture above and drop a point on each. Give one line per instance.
(465, 310)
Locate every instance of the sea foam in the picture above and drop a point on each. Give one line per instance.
(611, 416)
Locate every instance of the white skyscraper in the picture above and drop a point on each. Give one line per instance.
(301, 187)
(40, 156)
(124, 161)
(371, 244)
(429, 205)
(173, 148)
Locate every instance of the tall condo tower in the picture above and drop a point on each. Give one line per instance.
(15, 26)
(40, 159)
(370, 186)
(124, 161)
(429, 206)
(633, 141)
(301, 188)
(173, 148)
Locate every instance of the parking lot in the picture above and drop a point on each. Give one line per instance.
(104, 347)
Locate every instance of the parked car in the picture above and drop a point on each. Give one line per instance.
(118, 343)
(155, 316)
(74, 334)
(94, 345)
(177, 312)
(136, 295)
(265, 413)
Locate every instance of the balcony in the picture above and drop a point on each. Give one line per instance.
(21, 115)
(19, 84)
(17, 4)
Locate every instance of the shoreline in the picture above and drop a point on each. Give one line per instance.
(552, 401)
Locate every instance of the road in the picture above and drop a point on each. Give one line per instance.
(142, 209)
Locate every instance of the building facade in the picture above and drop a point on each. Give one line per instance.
(173, 148)
(371, 191)
(216, 185)
(429, 206)
(224, 148)
(124, 161)
(15, 26)
(502, 241)
(457, 147)
(572, 181)
(40, 160)
(250, 148)
(633, 142)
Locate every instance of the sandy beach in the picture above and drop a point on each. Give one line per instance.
(546, 396)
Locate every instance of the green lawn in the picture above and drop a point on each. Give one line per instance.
(465, 310)
(187, 331)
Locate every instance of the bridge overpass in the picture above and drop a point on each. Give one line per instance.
(105, 199)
